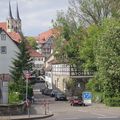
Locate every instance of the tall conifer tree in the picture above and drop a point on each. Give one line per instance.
(21, 63)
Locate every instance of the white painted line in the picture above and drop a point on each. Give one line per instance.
(98, 114)
(71, 119)
(82, 111)
(101, 115)
(109, 117)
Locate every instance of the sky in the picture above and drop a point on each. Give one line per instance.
(36, 15)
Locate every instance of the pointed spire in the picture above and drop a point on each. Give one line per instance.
(18, 17)
(10, 12)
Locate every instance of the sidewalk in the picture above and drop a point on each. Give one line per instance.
(24, 117)
(37, 111)
(34, 114)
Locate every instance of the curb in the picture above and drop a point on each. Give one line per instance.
(26, 117)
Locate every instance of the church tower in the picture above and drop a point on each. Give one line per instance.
(18, 20)
(13, 25)
(10, 20)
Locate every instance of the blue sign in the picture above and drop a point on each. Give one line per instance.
(87, 95)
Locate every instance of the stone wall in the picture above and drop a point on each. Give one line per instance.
(16, 109)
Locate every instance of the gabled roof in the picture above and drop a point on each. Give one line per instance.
(34, 53)
(43, 37)
(15, 36)
(8, 35)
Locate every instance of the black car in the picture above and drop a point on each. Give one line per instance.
(60, 96)
(46, 91)
(53, 93)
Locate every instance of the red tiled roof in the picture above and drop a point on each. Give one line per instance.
(34, 53)
(3, 25)
(15, 36)
(43, 37)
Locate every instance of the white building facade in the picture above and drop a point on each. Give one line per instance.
(8, 49)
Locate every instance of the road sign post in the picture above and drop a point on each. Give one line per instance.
(87, 98)
(27, 75)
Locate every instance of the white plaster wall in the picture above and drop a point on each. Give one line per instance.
(47, 62)
(6, 59)
(48, 79)
(59, 82)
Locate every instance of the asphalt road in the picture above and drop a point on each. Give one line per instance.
(63, 111)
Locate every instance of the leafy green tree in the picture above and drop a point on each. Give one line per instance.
(68, 42)
(94, 11)
(87, 48)
(71, 86)
(95, 45)
(108, 57)
(32, 42)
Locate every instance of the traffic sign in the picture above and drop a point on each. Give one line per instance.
(27, 74)
(87, 97)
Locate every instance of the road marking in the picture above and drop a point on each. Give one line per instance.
(82, 111)
(109, 117)
(93, 113)
(98, 114)
(71, 119)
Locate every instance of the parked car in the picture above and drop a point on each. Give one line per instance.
(53, 93)
(46, 91)
(76, 101)
(60, 96)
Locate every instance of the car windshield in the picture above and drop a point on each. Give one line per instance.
(61, 95)
(76, 97)
(54, 91)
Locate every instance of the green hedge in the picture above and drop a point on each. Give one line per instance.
(115, 101)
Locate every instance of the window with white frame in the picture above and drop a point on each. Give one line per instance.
(3, 36)
(3, 50)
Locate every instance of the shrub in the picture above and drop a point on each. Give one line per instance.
(97, 97)
(115, 101)
(14, 97)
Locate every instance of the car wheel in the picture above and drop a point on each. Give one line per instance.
(56, 99)
(84, 104)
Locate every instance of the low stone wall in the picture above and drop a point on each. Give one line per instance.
(11, 109)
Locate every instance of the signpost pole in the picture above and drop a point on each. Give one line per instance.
(27, 102)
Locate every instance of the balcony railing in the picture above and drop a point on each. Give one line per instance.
(76, 72)
(81, 73)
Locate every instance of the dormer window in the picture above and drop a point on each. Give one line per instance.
(3, 36)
